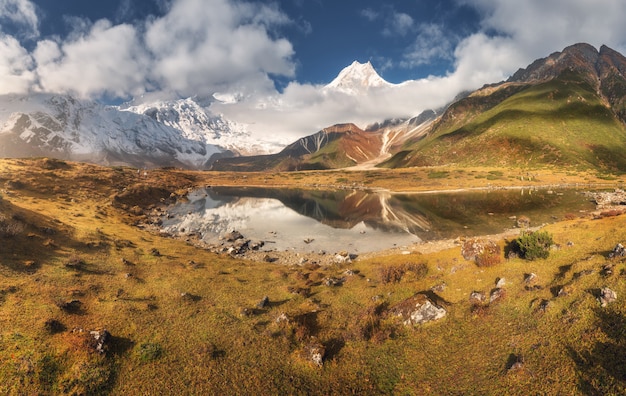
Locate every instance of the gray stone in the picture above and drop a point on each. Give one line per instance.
(101, 340)
(314, 351)
(477, 298)
(618, 251)
(418, 309)
(264, 303)
(496, 295)
(607, 296)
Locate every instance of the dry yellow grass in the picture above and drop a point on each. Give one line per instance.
(185, 321)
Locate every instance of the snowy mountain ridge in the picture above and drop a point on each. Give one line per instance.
(196, 122)
(186, 132)
(64, 127)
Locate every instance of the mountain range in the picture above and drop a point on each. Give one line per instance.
(568, 109)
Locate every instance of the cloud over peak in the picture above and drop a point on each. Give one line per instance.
(197, 46)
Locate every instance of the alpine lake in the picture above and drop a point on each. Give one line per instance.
(363, 221)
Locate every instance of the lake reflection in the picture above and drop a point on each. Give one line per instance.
(360, 221)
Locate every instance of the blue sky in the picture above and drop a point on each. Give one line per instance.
(275, 56)
(326, 35)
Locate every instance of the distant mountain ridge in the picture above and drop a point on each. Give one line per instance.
(63, 127)
(566, 109)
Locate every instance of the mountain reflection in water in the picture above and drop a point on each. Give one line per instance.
(360, 221)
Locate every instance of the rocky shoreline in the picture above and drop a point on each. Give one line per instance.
(238, 246)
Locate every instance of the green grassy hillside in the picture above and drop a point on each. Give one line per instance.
(562, 122)
(183, 320)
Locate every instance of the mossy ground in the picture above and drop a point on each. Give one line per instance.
(186, 321)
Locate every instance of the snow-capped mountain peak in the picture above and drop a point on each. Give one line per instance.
(356, 78)
(64, 127)
(196, 121)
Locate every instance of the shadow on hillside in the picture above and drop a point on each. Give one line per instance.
(602, 368)
(34, 239)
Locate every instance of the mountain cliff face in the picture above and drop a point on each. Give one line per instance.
(195, 121)
(566, 109)
(63, 127)
(338, 146)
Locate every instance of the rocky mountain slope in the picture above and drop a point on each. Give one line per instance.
(566, 109)
(196, 122)
(339, 146)
(63, 127)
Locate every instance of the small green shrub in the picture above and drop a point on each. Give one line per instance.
(533, 245)
(438, 175)
(150, 351)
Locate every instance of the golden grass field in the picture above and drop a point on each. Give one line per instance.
(185, 321)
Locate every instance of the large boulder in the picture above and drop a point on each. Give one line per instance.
(607, 296)
(418, 309)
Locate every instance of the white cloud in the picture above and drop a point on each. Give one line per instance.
(107, 60)
(398, 23)
(21, 13)
(535, 28)
(209, 45)
(433, 42)
(15, 66)
(370, 14)
(203, 46)
(512, 35)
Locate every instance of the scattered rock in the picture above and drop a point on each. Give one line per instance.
(282, 318)
(439, 287)
(269, 259)
(314, 352)
(155, 252)
(618, 251)
(608, 199)
(190, 297)
(332, 281)
(342, 258)
(530, 279)
(484, 252)
(522, 222)
(515, 362)
(302, 291)
(264, 303)
(607, 296)
(418, 309)
(607, 270)
(232, 236)
(477, 298)
(75, 263)
(563, 291)
(544, 305)
(101, 340)
(257, 245)
(496, 295)
(308, 240)
(500, 282)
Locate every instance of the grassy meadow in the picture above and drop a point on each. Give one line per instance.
(183, 320)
